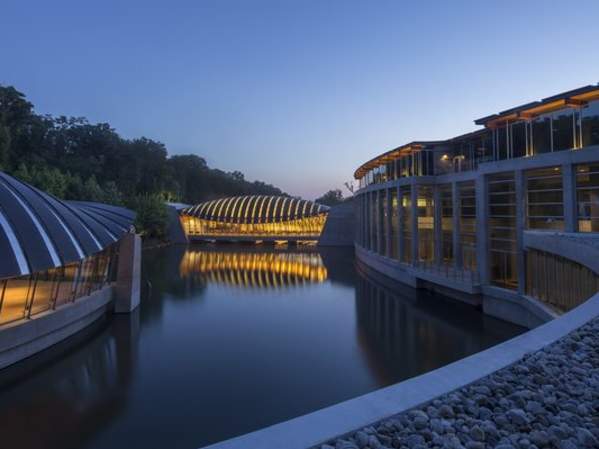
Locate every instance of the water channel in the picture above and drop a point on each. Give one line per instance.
(230, 339)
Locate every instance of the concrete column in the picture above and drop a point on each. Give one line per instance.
(127, 287)
(520, 185)
(456, 209)
(414, 223)
(482, 225)
(400, 230)
(388, 223)
(437, 225)
(569, 191)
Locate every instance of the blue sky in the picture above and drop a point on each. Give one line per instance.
(296, 93)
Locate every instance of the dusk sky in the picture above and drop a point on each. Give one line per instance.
(294, 93)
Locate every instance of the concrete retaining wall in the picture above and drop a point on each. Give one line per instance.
(497, 302)
(175, 231)
(339, 229)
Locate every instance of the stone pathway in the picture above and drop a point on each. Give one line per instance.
(550, 399)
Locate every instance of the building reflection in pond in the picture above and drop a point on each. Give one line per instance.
(65, 396)
(233, 359)
(268, 269)
(404, 332)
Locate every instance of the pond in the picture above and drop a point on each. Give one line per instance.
(230, 339)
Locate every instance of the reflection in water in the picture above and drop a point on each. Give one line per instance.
(405, 332)
(63, 397)
(196, 365)
(251, 269)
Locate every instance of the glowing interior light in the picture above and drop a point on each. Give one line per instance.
(275, 218)
(262, 270)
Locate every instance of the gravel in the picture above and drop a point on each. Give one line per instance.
(549, 399)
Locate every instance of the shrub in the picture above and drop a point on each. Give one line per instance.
(151, 220)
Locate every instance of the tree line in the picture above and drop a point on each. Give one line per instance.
(74, 159)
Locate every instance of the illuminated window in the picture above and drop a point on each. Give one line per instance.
(383, 224)
(468, 224)
(590, 124)
(587, 195)
(394, 225)
(406, 224)
(425, 210)
(26, 296)
(446, 222)
(544, 199)
(502, 230)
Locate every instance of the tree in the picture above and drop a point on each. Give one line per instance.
(4, 145)
(151, 218)
(78, 160)
(92, 190)
(331, 198)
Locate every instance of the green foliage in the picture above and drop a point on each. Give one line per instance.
(331, 198)
(77, 160)
(151, 215)
(4, 145)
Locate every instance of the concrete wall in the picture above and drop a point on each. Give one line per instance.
(339, 229)
(175, 231)
(509, 305)
(22, 339)
(127, 288)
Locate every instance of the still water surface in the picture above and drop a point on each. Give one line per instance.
(230, 339)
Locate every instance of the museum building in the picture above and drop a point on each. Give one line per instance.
(461, 215)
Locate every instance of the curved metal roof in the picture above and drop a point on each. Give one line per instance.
(255, 209)
(39, 231)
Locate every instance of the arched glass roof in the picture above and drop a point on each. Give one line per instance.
(255, 209)
(39, 231)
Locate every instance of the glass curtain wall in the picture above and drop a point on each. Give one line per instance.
(425, 210)
(394, 225)
(502, 230)
(555, 131)
(446, 223)
(544, 199)
(467, 192)
(383, 224)
(587, 197)
(406, 223)
(518, 139)
(26, 296)
(541, 134)
(590, 124)
(373, 221)
(501, 142)
(562, 128)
